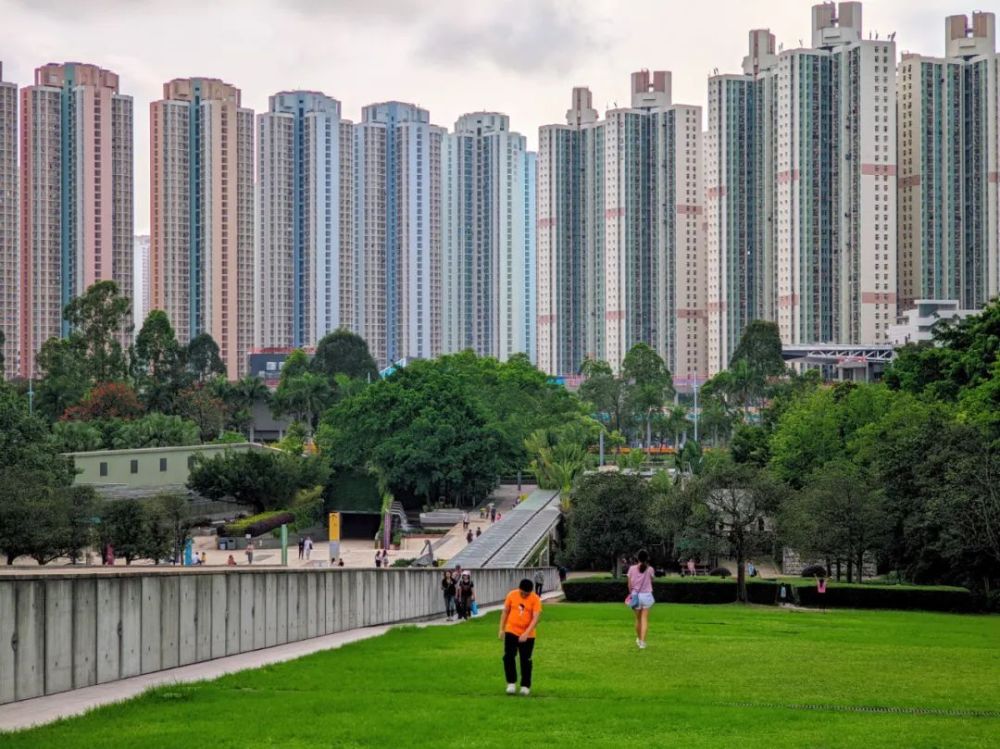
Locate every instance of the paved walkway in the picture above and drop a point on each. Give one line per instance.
(27, 713)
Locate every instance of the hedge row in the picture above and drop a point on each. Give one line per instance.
(257, 525)
(686, 590)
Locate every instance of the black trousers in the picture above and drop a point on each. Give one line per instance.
(523, 650)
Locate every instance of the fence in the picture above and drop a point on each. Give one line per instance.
(65, 631)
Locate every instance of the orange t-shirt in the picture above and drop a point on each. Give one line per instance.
(520, 609)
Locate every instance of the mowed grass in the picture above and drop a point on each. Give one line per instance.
(713, 676)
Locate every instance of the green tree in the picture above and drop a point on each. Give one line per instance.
(26, 444)
(424, 430)
(156, 430)
(607, 393)
(303, 396)
(63, 382)
(610, 517)
(125, 525)
(344, 352)
(77, 436)
(264, 479)
(649, 383)
(99, 321)
(40, 516)
(202, 358)
(839, 515)
(760, 348)
(157, 363)
(171, 513)
(740, 500)
(197, 404)
(559, 457)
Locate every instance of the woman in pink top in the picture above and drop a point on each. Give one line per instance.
(640, 586)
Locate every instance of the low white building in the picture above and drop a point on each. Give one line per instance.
(918, 323)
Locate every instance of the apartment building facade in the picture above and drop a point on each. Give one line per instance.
(202, 214)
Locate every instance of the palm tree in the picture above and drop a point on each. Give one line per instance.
(246, 393)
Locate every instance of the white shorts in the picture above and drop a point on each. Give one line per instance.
(645, 600)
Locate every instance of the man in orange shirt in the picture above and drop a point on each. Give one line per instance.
(521, 610)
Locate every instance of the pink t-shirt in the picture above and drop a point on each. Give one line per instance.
(640, 582)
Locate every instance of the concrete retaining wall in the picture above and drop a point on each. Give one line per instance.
(66, 631)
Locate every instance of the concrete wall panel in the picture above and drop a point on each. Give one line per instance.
(109, 617)
(170, 618)
(309, 604)
(29, 658)
(246, 612)
(188, 625)
(219, 601)
(203, 618)
(8, 619)
(259, 609)
(151, 652)
(58, 635)
(85, 633)
(281, 610)
(131, 627)
(270, 609)
(233, 588)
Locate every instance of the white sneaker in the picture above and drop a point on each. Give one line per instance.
(642, 644)
(525, 691)
(512, 689)
(638, 642)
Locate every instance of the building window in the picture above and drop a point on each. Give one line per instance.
(163, 464)
(104, 469)
(134, 466)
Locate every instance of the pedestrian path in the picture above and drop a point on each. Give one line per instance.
(27, 713)
(509, 541)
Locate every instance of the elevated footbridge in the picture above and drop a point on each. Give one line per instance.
(521, 534)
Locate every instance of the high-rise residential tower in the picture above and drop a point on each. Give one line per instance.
(801, 188)
(304, 266)
(76, 195)
(202, 207)
(140, 294)
(487, 238)
(10, 270)
(397, 173)
(620, 240)
(949, 168)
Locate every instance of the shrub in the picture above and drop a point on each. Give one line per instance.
(720, 590)
(257, 525)
(720, 572)
(402, 563)
(814, 570)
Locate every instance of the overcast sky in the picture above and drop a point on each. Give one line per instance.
(520, 57)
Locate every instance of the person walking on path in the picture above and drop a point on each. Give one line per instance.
(302, 547)
(448, 589)
(521, 610)
(468, 537)
(308, 547)
(466, 595)
(640, 585)
(465, 521)
(479, 532)
(250, 553)
(378, 559)
(539, 582)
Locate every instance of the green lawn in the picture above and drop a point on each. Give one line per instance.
(713, 676)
